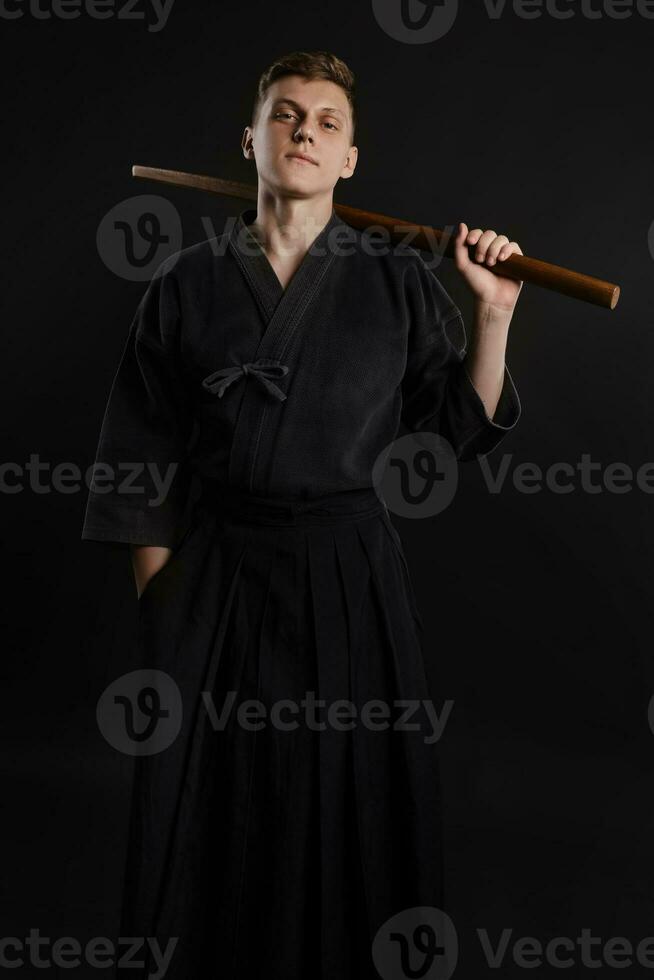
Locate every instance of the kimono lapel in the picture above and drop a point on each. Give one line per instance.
(284, 312)
(275, 301)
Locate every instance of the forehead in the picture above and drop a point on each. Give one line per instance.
(315, 93)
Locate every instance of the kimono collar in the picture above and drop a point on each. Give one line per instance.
(246, 242)
(253, 257)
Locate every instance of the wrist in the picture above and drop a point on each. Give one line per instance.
(491, 315)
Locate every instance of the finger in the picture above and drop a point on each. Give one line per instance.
(474, 236)
(461, 257)
(494, 249)
(482, 245)
(511, 249)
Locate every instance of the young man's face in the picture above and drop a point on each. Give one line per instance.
(321, 111)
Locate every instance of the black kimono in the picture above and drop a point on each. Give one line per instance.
(279, 845)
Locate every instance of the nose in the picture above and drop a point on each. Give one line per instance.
(302, 134)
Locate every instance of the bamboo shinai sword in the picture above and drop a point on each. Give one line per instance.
(534, 271)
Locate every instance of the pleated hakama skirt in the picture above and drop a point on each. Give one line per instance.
(274, 838)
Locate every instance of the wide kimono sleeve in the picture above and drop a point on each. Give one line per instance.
(438, 395)
(141, 475)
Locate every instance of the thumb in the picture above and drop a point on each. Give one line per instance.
(461, 256)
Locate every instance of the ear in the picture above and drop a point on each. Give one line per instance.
(246, 143)
(350, 163)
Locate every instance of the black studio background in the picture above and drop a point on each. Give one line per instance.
(537, 606)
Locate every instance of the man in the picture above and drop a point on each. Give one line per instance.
(302, 141)
(274, 365)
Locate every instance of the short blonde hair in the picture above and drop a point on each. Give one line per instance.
(309, 64)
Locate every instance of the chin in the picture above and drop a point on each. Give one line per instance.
(290, 183)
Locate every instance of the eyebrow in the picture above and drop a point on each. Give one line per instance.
(298, 106)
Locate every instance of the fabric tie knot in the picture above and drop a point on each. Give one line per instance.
(263, 370)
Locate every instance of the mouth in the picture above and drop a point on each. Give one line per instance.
(302, 158)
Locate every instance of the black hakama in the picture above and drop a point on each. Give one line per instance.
(277, 839)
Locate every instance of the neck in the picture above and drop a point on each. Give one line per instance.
(287, 226)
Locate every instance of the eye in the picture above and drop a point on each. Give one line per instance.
(284, 114)
(332, 125)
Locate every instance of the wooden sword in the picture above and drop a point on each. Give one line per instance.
(520, 267)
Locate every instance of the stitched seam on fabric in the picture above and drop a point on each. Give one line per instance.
(293, 321)
(294, 317)
(489, 421)
(255, 285)
(268, 317)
